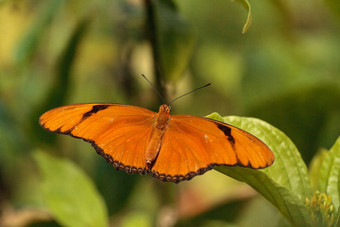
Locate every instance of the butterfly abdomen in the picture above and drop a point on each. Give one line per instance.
(158, 132)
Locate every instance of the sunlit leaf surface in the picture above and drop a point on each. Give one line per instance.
(286, 183)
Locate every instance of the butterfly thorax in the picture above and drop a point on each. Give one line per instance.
(158, 131)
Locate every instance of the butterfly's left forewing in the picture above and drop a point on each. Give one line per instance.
(192, 145)
(120, 133)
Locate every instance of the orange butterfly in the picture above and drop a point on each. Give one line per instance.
(171, 148)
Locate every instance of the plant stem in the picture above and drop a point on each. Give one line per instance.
(152, 33)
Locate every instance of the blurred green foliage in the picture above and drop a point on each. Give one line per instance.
(284, 70)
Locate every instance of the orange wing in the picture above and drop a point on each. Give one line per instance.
(120, 133)
(193, 145)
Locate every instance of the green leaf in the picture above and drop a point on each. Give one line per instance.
(286, 183)
(69, 194)
(330, 173)
(246, 4)
(314, 168)
(287, 201)
(176, 39)
(288, 170)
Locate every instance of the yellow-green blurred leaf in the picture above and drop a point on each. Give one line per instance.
(30, 40)
(69, 193)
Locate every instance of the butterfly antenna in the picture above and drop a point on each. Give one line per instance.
(189, 93)
(159, 94)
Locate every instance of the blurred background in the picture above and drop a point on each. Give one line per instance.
(285, 70)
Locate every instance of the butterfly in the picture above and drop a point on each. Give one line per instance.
(172, 148)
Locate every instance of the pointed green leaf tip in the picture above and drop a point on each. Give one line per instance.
(286, 183)
(69, 194)
(246, 4)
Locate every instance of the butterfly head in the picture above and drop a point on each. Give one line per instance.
(164, 109)
(163, 116)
